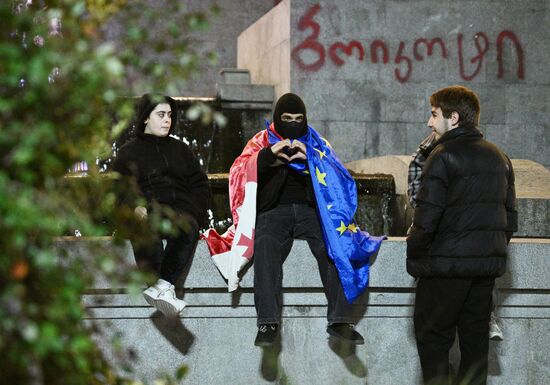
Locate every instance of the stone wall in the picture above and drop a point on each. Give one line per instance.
(264, 49)
(367, 68)
(220, 36)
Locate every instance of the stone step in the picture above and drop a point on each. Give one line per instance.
(235, 76)
(214, 336)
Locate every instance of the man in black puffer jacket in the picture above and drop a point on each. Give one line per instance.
(458, 242)
(168, 175)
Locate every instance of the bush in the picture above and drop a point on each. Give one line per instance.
(60, 78)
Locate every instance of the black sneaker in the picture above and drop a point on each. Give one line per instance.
(267, 334)
(345, 332)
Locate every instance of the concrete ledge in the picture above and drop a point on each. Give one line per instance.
(532, 190)
(215, 333)
(526, 265)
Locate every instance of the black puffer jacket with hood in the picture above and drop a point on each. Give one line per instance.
(466, 209)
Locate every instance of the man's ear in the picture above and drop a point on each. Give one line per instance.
(146, 121)
(455, 117)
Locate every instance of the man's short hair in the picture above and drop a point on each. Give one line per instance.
(460, 99)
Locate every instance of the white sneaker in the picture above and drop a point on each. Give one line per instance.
(162, 296)
(495, 332)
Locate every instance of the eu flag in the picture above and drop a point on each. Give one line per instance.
(336, 193)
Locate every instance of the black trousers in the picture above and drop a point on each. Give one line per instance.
(276, 230)
(445, 306)
(169, 262)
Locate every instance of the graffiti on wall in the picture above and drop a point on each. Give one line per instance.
(379, 51)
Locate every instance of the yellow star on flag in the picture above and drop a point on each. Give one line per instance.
(320, 176)
(321, 153)
(326, 142)
(352, 227)
(306, 172)
(342, 229)
(329, 207)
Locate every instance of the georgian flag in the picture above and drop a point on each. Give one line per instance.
(232, 250)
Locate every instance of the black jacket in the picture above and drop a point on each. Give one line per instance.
(278, 184)
(167, 172)
(466, 209)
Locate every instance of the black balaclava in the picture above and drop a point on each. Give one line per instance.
(292, 104)
(146, 104)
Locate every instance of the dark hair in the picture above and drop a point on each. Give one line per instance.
(460, 99)
(146, 104)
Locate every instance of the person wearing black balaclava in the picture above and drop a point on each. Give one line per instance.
(286, 210)
(169, 176)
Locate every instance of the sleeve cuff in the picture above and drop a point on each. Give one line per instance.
(266, 156)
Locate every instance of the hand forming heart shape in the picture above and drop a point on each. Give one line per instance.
(296, 151)
(289, 151)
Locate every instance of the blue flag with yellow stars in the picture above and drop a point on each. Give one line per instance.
(336, 193)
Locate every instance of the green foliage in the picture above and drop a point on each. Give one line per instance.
(141, 45)
(60, 78)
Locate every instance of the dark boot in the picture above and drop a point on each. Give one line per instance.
(346, 333)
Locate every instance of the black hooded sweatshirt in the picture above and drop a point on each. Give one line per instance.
(166, 171)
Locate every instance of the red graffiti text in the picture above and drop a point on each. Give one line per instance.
(406, 55)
